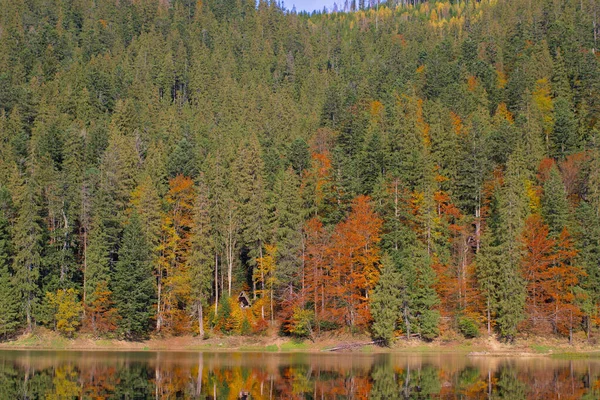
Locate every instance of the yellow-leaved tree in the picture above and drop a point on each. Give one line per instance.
(265, 275)
(67, 310)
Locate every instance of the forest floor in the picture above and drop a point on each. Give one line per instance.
(484, 346)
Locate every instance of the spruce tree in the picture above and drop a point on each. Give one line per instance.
(133, 282)
(251, 196)
(508, 286)
(555, 206)
(28, 244)
(565, 135)
(420, 315)
(386, 301)
(10, 312)
(287, 225)
(201, 260)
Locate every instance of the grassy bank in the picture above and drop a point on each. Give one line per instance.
(540, 346)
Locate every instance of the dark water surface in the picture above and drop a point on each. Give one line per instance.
(191, 375)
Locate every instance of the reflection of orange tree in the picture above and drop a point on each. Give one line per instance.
(98, 381)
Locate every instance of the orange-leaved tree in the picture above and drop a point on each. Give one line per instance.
(537, 257)
(561, 280)
(354, 264)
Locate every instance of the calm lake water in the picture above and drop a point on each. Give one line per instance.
(189, 375)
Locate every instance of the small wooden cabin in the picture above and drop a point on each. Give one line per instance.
(244, 300)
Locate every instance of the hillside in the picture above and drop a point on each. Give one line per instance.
(424, 170)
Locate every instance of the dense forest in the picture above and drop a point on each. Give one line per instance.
(415, 170)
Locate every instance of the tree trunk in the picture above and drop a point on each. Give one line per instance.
(271, 305)
(200, 320)
(84, 270)
(489, 318)
(216, 282)
(158, 309)
(407, 323)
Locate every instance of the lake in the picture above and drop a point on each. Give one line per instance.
(243, 375)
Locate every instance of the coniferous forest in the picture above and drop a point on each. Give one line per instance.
(401, 170)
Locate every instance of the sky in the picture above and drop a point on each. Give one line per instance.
(310, 5)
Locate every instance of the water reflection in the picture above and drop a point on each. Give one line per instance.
(182, 375)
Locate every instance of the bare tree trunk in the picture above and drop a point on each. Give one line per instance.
(271, 305)
(489, 318)
(200, 320)
(158, 308)
(84, 270)
(216, 282)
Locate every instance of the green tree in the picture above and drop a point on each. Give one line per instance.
(10, 312)
(565, 135)
(387, 301)
(201, 260)
(28, 243)
(555, 206)
(132, 281)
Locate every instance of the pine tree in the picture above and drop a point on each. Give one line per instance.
(10, 315)
(251, 196)
(419, 314)
(488, 266)
(28, 245)
(505, 287)
(386, 301)
(98, 261)
(555, 206)
(201, 259)
(132, 281)
(565, 135)
(287, 225)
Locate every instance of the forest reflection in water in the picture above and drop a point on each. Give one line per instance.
(182, 375)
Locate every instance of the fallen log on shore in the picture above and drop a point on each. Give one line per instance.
(353, 345)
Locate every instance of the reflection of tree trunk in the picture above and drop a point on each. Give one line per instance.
(199, 377)
(407, 383)
(157, 379)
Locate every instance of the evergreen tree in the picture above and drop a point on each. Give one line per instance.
(565, 135)
(201, 258)
(10, 315)
(419, 313)
(287, 225)
(132, 281)
(555, 206)
(387, 301)
(506, 285)
(251, 196)
(28, 244)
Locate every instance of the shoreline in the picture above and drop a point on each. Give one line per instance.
(43, 339)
